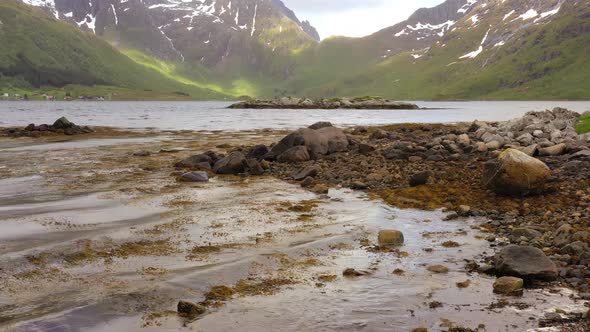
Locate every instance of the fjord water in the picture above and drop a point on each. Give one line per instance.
(215, 115)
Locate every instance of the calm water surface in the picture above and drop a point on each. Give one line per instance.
(215, 115)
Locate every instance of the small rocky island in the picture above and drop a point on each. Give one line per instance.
(373, 103)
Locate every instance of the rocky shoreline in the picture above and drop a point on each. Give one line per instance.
(374, 103)
(530, 177)
(536, 225)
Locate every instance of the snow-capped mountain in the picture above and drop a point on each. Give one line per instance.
(205, 31)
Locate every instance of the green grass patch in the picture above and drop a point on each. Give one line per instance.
(584, 124)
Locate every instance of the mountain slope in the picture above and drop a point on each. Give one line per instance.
(46, 52)
(499, 49)
(218, 34)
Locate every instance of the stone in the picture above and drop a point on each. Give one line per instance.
(194, 161)
(319, 142)
(538, 133)
(379, 134)
(365, 149)
(307, 182)
(142, 153)
(232, 164)
(575, 249)
(189, 309)
(320, 189)
(309, 171)
(493, 145)
(258, 152)
(481, 147)
(438, 269)
(527, 233)
(464, 140)
(581, 236)
(294, 155)
(563, 235)
(420, 178)
(525, 262)
(357, 185)
(194, 177)
(63, 123)
(253, 167)
(354, 273)
(508, 286)
(30, 127)
(390, 237)
(531, 150)
(555, 150)
(516, 173)
(320, 125)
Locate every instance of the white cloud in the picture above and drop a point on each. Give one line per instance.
(355, 18)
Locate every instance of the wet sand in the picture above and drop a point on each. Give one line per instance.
(94, 238)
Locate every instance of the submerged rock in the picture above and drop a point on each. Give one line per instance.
(189, 309)
(516, 173)
(525, 262)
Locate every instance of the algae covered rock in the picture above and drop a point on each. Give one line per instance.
(390, 237)
(516, 173)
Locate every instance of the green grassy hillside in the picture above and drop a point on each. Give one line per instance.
(545, 61)
(38, 51)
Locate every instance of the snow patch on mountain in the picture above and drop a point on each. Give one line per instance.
(477, 52)
(466, 6)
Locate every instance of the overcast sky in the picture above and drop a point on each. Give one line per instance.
(355, 18)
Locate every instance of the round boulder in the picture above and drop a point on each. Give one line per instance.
(508, 286)
(516, 173)
(390, 237)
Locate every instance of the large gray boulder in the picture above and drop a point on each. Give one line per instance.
(318, 142)
(525, 262)
(516, 173)
(235, 163)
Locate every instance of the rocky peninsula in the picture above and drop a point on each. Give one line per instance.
(373, 103)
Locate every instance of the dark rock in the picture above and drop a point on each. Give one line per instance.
(194, 177)
(308, 182)
(508, 286)
(320, 125)
(294, 155)
(379, 134)
(310, 171)
(194, 161)
(142, 153)
(421, 178)
(30, 127)
(63, 123)
(358, 186)
(318, 142)
(354, 273)
(232, 164)
(525, 262)
(365, 149)
(575, 249)
(189, 309)
(258, 152)
(254, 167)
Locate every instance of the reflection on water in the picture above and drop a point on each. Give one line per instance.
(214, 115)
